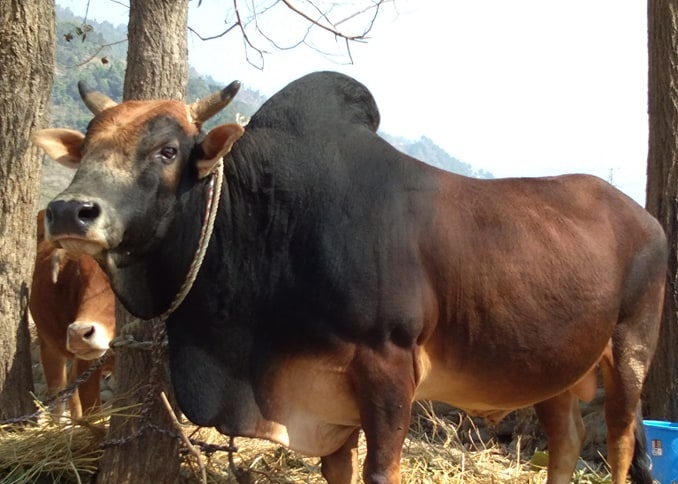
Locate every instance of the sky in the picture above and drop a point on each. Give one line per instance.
(516, 88)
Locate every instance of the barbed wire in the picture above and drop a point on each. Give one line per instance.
(124, 341)
(62, 396)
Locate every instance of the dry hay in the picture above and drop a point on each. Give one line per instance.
(49, 451)
(436, 450)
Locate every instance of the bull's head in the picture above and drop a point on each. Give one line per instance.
(130, 164)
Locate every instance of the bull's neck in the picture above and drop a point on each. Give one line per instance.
(246, 254)
(149, 282)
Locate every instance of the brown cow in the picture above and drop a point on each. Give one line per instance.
(73, 308)
(344, 279)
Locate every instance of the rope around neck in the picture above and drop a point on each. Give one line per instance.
(211, 209)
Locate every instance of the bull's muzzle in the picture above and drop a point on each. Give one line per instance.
(71, 224)
(72, 217)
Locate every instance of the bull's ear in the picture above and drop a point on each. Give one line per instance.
(216, 145)
(62, 145)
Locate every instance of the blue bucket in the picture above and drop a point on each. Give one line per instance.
(662, 445)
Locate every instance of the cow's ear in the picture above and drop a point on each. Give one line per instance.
(62, 145)
(216, 145)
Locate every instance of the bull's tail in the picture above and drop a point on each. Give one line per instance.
(640, 471)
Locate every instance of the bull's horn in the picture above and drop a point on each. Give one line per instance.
(203, 109)
(94, 100)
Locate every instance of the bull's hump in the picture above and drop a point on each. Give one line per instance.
(320, 97)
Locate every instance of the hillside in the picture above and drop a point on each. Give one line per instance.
(96, 54)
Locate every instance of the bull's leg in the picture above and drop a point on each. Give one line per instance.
(341, 467)
(54, 369)
(561, 419)
(623, 376)
(384, 383)
(624, 366)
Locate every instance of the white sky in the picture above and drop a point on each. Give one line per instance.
(517, 88)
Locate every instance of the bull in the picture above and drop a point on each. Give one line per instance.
(344, 280)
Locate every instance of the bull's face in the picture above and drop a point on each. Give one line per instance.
(129, 166)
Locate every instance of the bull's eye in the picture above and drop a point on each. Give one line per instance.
(168, 154)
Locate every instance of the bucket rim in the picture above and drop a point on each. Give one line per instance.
(660, 423)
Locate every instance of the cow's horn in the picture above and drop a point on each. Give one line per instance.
(203, 109)
(94, 100)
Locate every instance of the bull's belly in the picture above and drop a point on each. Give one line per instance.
(308, 406)
(494, 391)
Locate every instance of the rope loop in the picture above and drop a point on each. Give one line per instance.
(211, 209)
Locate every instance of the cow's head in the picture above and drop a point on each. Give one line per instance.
(89, 335)
(129, 168)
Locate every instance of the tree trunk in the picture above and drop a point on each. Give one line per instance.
(661, 390)
(27, 40)
(157, 67)
(157, 56)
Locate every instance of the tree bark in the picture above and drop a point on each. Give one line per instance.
(157, 56)
(27, 43)
(661, 390)
(157, 67)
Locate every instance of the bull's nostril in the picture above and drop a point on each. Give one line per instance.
(89, 212)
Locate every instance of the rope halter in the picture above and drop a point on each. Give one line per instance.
(211, 209)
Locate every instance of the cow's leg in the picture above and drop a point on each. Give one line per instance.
(384, 383)
(341, 467)
(74, 403)
(89, 390)
(561, 420)
(54, 369)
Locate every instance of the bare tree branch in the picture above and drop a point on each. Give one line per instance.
(320, 12)
(376, 6)
(120, 3)
(318, 24)
(212, 37)
(247, 41)
(322, 21)
(274, 43)
(101, 47)
(84, 21)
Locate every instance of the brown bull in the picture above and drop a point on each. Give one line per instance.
(344, 279)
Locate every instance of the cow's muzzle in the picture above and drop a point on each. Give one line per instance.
(88, 340)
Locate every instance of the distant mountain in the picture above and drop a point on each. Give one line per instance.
(96, 54)
(425, 149)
